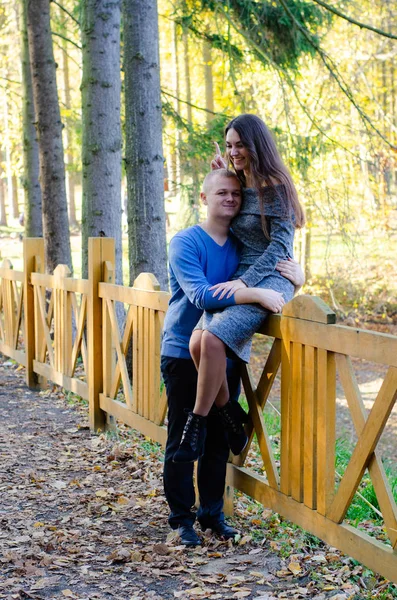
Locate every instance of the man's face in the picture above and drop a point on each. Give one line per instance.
(223, 197)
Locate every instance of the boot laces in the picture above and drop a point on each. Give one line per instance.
(234, 426)
(191, 430)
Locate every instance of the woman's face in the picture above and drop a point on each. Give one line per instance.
(235, 150)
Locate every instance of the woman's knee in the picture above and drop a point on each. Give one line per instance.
(212, 345)
(195, 344)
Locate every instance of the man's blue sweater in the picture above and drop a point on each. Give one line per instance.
(196, 262)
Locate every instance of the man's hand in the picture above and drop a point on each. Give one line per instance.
(218, 162)
(270, 299)
(292, 270)
(227, 287)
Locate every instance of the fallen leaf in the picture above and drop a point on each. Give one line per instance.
(295, 568)
(161, 549)
(244, 540)
(58, 484)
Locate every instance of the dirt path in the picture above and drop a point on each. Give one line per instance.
(84, 517)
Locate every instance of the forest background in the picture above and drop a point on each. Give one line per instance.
(322, 76)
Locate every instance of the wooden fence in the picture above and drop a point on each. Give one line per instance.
(67, 330)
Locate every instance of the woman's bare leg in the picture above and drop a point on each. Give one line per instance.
(211, 385)
(195, 352)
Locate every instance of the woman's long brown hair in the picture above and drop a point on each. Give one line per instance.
(266, 165)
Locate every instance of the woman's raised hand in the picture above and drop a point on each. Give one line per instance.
(270, 299)
(218, 162)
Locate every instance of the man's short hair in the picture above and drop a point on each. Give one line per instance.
(217, 173)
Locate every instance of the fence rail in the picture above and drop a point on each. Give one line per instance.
(68, 331)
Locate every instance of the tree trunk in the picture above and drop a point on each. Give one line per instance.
(30, 182)
(15, 203)
(7, 145)
(68, 135)
(195, 189)
(49, 126)
(144, 152)
(3, 214)
(101, 154)
(208, 79)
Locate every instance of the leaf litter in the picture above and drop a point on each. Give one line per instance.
(84, 517)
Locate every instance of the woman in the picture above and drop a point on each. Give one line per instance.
(265, 227)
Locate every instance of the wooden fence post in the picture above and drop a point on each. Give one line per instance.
(100, 250)
(308, 381)
(33, 261)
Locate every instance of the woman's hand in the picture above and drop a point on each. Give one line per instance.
(227, 287)
(292, 270)
(270, 299)
(218, 162)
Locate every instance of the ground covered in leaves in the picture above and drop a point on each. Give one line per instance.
(83, 516)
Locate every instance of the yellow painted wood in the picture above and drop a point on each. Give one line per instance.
(139, 375)
(145, 341)
(80, 316)
(256, 414)
(17, 355)
(116, 379)
(309, 308)
(120, 354)
(262, 392)
(107, 347)
(296, 425)
(39, 299)
(285, 482)
(7, 271)
(378, 476)
(134, 358)
(353, 542)
(155, 401)
(100, 250)
(68, 383)
(326, 414)
(18, 320)
(368, 345)
(365, 446)
(8, 303)
(310, 426)
(122, 412)
(135, 297)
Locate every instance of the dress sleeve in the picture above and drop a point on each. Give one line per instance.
(281, 239)
(184, 259)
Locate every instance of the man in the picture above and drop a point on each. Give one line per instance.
(200, 257)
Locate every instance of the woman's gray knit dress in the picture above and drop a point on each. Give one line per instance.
(235, 325)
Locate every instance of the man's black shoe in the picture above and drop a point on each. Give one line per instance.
(188, 536)
(223, 530)
(193, 439)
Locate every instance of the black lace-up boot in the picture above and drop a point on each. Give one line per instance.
(233, 417)
(193, 439)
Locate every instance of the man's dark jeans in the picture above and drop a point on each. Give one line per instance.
(180, 378)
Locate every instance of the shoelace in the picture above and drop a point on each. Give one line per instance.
(189, 434)
(234, 426)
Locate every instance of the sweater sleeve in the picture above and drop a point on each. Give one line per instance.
(281, 240)
(185, 262)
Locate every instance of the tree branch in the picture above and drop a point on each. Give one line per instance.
(353, 21)
(65, 10)
(192, 105)
(291, 83)
(333, 70)
(66, 39)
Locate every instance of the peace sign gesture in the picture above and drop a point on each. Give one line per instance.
(218, 161)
